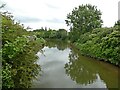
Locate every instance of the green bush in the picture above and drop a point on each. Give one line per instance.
(19, 48)
(102, 43)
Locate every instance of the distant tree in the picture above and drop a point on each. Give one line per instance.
(62, 33)
(28, 28)
(83, 19)
(45, 29)
(117, 23)
(3, 5)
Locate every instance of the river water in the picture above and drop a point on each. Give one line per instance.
(64, 67)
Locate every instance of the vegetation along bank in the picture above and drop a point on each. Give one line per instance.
(19, 46)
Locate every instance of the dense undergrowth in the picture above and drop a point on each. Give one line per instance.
(101, 43)
(18, 54)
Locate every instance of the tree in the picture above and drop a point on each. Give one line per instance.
(83, 19)
(62, 34)
(117, 24)
(2, 6)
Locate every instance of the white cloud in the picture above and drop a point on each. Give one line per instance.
(52, 13)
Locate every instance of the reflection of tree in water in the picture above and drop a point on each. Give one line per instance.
(79, 71)
(61, 45)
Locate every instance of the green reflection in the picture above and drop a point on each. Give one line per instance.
(78, 71)
(61, 45)
(85, 70)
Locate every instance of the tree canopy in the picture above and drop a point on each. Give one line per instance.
(84, 19)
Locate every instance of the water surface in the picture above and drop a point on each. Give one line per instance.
(64, 67)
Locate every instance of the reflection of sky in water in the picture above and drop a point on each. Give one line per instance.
(52, 55)
(98, 83)
(53, 75)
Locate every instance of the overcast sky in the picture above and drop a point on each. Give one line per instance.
(52, 13)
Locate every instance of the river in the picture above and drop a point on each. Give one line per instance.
(64, 67)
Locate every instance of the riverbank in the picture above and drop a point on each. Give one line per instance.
(102, 44)
(18, 52)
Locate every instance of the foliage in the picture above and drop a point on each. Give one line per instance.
(18, 54)
(117, 23)
(101, 43)
(12, 49)
(83, 19)
(7, 76)
(51, 34)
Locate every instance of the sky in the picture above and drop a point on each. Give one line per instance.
(52, 13)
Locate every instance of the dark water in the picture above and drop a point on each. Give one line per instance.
(64, 67)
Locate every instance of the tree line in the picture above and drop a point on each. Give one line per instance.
(45, 33)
